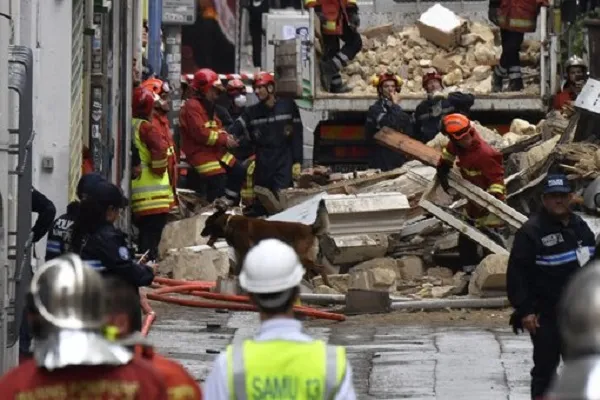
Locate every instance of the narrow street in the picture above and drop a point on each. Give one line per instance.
(390, 360)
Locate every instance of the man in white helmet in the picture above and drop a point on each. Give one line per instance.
(576, 71)
(281, 360)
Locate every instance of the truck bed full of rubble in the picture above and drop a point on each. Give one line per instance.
(468, 67)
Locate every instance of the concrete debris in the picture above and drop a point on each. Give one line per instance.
(489, 276)
(385, 48)
(411, 267)
(338, 281)
(352, 249)
(323, 289)
(182, 233)
(189, 264)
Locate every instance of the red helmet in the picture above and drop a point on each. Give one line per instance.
(156, 86)
(430, 76)
(264, 79)
(142, 101)
(456, 126)
(235, 86)
(204, 79)
(378, 80)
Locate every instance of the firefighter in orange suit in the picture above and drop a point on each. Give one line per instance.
(206, 144)
(339, 20)
(515, 18)
(160, 121)
(152, 195)
(480, 164)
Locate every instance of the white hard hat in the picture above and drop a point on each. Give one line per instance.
(271, 267)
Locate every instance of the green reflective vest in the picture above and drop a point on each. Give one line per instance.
(285, 370)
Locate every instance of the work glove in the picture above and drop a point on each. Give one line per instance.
(515, 322)
(442, 174)
(353, 18)
(296, 171)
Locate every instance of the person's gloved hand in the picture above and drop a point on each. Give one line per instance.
(353, 18)
(515, 322)
(296, 171)
(442, 174)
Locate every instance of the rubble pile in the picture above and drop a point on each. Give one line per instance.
(581, 160)
(467, 67)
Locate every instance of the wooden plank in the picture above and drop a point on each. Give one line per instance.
(408, 146)
(521, 145)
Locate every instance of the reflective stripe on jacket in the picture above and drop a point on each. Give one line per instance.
(302, 371)
(150, 194)
(247, 191)
(518, 15)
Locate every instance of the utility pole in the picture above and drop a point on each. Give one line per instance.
(176, 13)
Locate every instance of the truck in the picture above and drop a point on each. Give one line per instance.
(338, 135)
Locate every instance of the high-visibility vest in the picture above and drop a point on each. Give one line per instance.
(285, 370)
(247, 191)
(150, 194)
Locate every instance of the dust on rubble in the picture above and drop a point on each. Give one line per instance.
(484, 318)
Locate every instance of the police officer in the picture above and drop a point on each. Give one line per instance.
(438, 103)
(275, 129)
(580, 333)
(66, 307)
(280, 352)
(387, 112)
(100, 244)
(547, 251)
(59, 237)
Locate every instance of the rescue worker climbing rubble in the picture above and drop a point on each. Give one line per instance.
(339, 21)
(480, 164)
(124, 326)
(438, 103)
(151, 193)
(280, 352)
(547, 252)
(275, 129)
(206, 144)
(66, 309)
(514, 18)
(576, 76)
(386, 112)
(160, 121)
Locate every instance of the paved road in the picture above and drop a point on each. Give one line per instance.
(389, 362)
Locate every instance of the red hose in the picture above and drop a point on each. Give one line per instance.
(149, 312)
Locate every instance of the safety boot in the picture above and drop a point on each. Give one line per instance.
(328, 71)
(498, 79)
(515, 85)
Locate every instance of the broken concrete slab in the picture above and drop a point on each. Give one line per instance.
(202, 265)
(324, 289)
(440, 272)
(338, 281)
(411, 267)
(440, 292)
(378, 279)
(352, 249)
(182, 233)
(489, 275)
(460, 281)
(367, 302)
(382, 262)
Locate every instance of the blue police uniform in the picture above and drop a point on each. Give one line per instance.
(546, 253)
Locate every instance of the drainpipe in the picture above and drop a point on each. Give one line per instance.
(154, 27)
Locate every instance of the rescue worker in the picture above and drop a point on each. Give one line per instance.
(100, 244)
(256, 9)
(59, 237)
(66, 306)
(386, 112)
(576, 76)
(547, 251)
(578, 325)
(244, 153)
(280, 352)
(515, 18)
(124, 325)
(46, 212)
(438, 103)
(206, 144)
(160, 121)
(151, 193)
(275, 129)
(480, 164)
(339, 20)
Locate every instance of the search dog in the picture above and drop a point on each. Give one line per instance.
(241, 233)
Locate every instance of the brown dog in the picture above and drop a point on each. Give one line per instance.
(242, 233)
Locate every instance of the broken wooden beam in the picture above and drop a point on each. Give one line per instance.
(408, 146)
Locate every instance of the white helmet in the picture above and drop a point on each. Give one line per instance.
(271, 267)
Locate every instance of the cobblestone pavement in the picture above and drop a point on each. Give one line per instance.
(389, 361)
